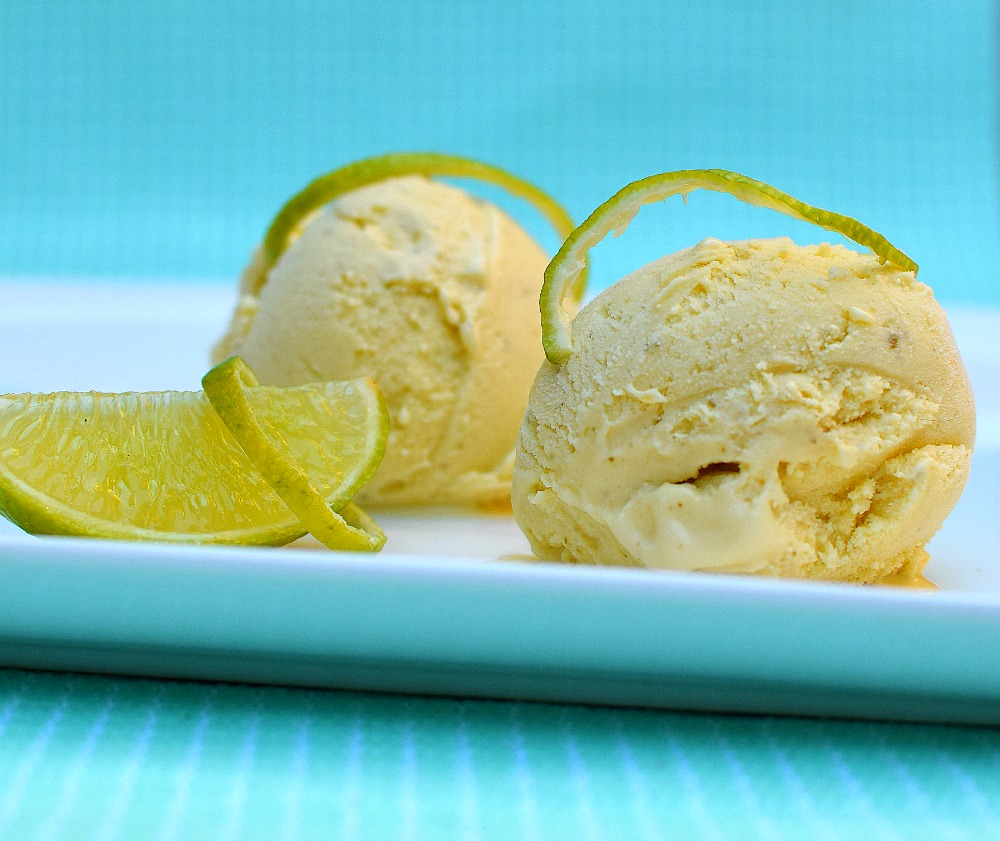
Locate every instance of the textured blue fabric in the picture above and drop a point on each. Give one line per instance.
(100, 758)
(157, 139)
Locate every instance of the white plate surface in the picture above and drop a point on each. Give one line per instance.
(438, 613)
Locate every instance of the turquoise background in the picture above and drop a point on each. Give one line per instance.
(158, 139)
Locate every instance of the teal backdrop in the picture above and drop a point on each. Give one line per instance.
(155, 140)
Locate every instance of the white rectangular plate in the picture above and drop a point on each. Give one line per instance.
(436, 612)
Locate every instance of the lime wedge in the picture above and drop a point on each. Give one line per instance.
(616, 213)
(153, 466)
(316, 445)
(327, 187)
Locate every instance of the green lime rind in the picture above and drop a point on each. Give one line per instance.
(229, 386)
(617, 212)
(361, 173)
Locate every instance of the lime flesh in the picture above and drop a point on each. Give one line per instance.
(134, 466)
(164, 466)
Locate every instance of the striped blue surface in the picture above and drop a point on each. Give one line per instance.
(157, 139)
(100, 758)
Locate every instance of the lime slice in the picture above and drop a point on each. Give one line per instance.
(153, 466)
(327, 187)
(316, 445)
(616, 213)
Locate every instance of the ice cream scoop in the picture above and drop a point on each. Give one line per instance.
(434, 295)
(750, 407)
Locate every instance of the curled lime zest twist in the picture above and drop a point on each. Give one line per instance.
(361, 173)
(616, 213)
(337, 522)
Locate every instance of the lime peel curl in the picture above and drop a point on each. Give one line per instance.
(616, 213)
(367, 171)
(336, 523)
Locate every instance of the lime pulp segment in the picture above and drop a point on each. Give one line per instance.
(133, 466)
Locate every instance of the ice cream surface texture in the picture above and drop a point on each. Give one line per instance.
(750, 407)
(434, 295)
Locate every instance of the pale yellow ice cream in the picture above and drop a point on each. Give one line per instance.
(433, 294)
(750, 407)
